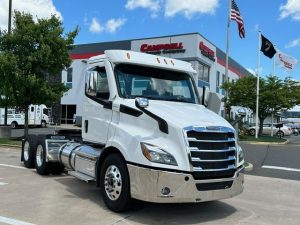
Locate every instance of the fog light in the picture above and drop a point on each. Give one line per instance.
(165, 191)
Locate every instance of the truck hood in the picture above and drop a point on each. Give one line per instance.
(179, 114)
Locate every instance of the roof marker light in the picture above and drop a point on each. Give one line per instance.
(172, 62)
(158, 60)
(128, 55)
(166, 61)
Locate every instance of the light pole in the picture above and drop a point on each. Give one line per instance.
(9, 31)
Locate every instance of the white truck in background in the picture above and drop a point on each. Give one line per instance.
(38, 115)
(145, 135)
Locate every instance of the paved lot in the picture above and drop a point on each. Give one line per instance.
(279, 161)
(26, 196)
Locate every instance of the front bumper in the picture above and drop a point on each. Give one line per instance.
(147, 185)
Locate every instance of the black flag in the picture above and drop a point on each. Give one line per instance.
(267, 47)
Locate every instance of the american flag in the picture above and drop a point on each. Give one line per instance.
(236, 15)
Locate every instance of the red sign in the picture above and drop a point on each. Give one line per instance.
(206, 51)
(163, 48)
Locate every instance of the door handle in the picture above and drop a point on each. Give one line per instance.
(86, 126)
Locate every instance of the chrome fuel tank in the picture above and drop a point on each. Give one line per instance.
(80, 158)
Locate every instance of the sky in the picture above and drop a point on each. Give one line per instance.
(103, 21)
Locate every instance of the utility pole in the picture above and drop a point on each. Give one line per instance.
(9, 31)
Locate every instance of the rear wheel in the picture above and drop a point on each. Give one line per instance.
(252, 132)
(29, 151)
(114, 183)
(280, 134)
(14, 125)
(42, 166)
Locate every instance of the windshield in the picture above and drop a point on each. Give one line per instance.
(139, 81)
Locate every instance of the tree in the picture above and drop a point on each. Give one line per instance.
(274, 95)
(31, 53)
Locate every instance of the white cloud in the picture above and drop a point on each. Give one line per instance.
(190, 7)
(291, 8)
(95, 26)
(251, 71)
(110, 26)
(293, 43)
(254, 71)
(152, 5)
(113, 24)
(38, 8)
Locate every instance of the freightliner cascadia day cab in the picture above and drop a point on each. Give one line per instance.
(144, 136)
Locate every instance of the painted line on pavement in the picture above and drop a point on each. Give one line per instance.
(12, 166)
(2, 183)
(13, 221)
(281, 168)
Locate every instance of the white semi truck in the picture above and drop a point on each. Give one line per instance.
(38, 115)
(145, 135)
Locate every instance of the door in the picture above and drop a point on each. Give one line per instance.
(38, 115)
(97, 107)
(31, 115)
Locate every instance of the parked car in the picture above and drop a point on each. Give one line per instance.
(294, 128)
(283, 131)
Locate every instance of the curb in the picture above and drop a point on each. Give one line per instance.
(8, 145)
(264, 143)
(248, 166)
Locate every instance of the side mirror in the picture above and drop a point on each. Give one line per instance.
(205, 96)
(279, 125)
(141, 103)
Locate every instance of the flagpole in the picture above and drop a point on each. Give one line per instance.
(257, 85)
(272, 114)
(227, 53)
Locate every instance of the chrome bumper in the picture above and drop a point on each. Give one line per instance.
(147, 185)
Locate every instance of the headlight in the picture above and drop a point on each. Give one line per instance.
(158, 155)
(240, 154)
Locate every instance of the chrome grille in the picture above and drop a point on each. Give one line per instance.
(212, 152)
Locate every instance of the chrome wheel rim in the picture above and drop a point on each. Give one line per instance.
(26, 151)
(113, 182)
(39, 156)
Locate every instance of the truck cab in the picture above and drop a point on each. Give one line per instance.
(145, 135)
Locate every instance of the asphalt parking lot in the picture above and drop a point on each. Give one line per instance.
(27, 198)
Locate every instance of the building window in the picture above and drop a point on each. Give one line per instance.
(223, 78)
(218, 79)
(69, 77)
(203, 72)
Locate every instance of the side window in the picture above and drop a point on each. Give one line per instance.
(97, 83)
(32, 109)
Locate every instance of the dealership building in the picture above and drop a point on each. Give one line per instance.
(206, 58)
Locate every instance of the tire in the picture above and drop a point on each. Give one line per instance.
(280, 134)
(115, 184)
(42, 166)
(29, 151)
(43, 124)
(252, 132)
(14, 125)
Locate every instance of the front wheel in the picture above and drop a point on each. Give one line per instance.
(115, 184)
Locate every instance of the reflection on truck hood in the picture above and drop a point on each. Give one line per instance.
(184, 114)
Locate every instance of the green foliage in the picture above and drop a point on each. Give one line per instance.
(275, 95)
(29, 56)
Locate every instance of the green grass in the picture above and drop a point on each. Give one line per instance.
(11, 141)
(262, 139)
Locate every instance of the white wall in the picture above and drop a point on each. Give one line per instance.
(75, 94)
